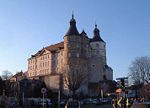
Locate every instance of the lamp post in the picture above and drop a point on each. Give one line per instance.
(43, 91)
(23, 98)
(59, 99)
(3, 92)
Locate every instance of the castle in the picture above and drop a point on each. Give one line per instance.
(76, 53)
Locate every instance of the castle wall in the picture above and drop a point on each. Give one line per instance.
(78, 54)
(52, 82)
(109, 73)
(95, 70)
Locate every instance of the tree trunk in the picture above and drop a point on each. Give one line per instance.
(74, 92)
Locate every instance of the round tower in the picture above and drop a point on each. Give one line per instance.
(97, 59)
(74, 63)
(72, 43)
(85, 45)
(98, 45)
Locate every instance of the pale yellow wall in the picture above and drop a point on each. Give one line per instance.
(43, 63)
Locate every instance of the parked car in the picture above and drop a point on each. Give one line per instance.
(73, 104)
(46, 102)
(63, 102)
(104, 101)
(87, 101)
(95, 101)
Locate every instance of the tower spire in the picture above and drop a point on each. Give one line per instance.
(72, 29)
(72, 14)
(95, 25)
(96, 36)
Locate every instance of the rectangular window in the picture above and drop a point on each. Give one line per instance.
(69, 55)
(78, 46)
(97, 45)
(78, 55)
(93, 65)
(61, 53)
(97, 52)
(45, 63)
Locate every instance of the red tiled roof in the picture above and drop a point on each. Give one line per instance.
(55, 46)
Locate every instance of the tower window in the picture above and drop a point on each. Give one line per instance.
(78, 46)
(93, 65)
(104, 46)
(73, 54)
(69, 55)
(104, 77)
(97, 52)
(69, 45)
(97, 45)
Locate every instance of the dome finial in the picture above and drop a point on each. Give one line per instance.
(95, 25)
(96, 36)
(72, 29)
(72, 14)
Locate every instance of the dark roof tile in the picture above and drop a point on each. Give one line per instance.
(96, 36)
(72, 29)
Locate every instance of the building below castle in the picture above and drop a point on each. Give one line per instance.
(78, 54)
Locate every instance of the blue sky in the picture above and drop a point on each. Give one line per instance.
(26, 26)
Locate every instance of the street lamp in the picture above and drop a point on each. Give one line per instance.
(43, 91)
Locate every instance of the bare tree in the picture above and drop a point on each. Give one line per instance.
(6, 75)
(74, 79)
(139, 71)
(1, 85)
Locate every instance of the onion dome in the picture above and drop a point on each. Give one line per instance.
(96, 36)
(72, 29)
